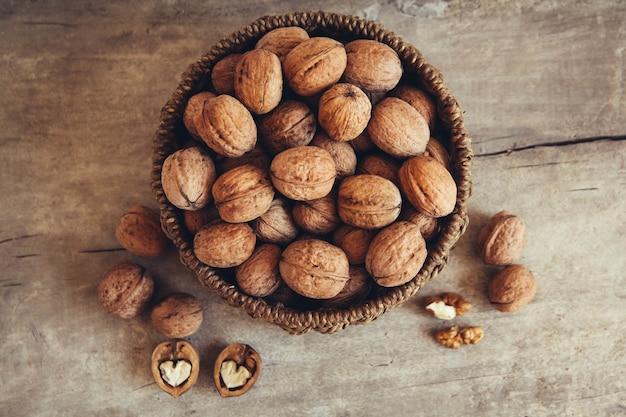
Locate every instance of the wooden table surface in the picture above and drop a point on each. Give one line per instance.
(542, 86)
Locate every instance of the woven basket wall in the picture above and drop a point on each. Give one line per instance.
(171, 135)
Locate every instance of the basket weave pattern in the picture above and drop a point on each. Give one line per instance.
(197, 78)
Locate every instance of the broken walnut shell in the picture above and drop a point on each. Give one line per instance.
(236, 370)
(175, 366)
(502, 240)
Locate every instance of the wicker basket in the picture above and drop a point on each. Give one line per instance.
(171, 135)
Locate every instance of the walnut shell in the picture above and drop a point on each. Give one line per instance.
(343, 154)
(125, 290)
(396, 254)
(276, 225)
(257, 157)
(429, 226)
(178, 315)
(175, 353)
(259, 80)
(398, 129)
(282, 40)
(303, 173)
(258, 276)
(195, 220)
(344, 111)
(354, 241)
(192, 109)
(292, 123)
(357, 288)
(226, 126)
(139, 232)
(314, 65)
(503, 239)
(314, 268)
(368, 201)
(224, 245)
(363, 144)
(223, 74)
(379, 164)
(428, 186)
(512, 288)
(243, 358)
(317, 216)
(187, 176)
(372, 65)
(243, 194)
(420, 100)
(436, 149)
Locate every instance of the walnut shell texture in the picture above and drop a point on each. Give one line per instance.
(126, 289)
(317, 216)
(292, 123)
(368, 201)
(139, 232)
(343, 154)
(357, 288)
(173, 352)
(282, 40)
(259, 80)
(344, 111)
(258, 276)
(512, 288)
(223, 74)
(192, 109)
(354, 241)
(178, 315)
(503, 239)
(224, 245)
(372, 65)
(277, 224)
(420, 100)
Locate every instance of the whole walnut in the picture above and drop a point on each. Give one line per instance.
(357, 288)
(282, 40)
(259, 80)
(178, 315)
(343, 154)
(276, 225)
(224, 245)
(368, 201)
(398, 129)
(195, 220)
(226, 126)
(303, 173)
(187, 177)
(243, 193)
(126, 289)
(396, 254)
(192, 109)
(314, 268)
(372, 66)
(292, 123)
(317, 216)
(354, 241)
(344, 111)
(503, 239)
(428, 186)
(512, 288)
(139, 232)
(429, 226)
(223, 74)
(363, 144)
(258, 276)
(420, 100)
(257, 157)
(379, 164)
(435, 148)
(314, 65)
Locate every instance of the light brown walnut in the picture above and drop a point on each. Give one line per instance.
(379, 164)
(372, 66)
(344, 111)
(223, 74)
(177, 315)
(512, 288)
(420, 100)
(292, 123)
(192, 109)
(126, 289)
(435, 148)
(259, 80)
(429, 225)
(282, 40)
(318, 216)
(455, 337)
(447, 305)
(368, 201)
(195, 220)
(343, 154)
(276, 225)
(224, 245)
(357, 288)
(502, 240)
(354, 241)
(258, 276)
(139, 232)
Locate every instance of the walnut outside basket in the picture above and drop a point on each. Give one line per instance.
(171, 135)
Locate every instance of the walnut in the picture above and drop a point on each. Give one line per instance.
(126, 289)
(195, 220)
(398, 129)
(343, 154)
(428, 186)
(317, 216)
(223, 74)
(372, 66)
(512, 288)
(224, 245)
(303, 173)
(177, 315)
(314, 268)
(429, 225)
(139, 232)
(447, 305)
(187, 176)
(243, 194)
(368, 201)
(420, 100)
(276, 225)
(292, 123)
(236, 370)
(436, 149)
(503, 239)
(258, 276)
(282, 40)
(175, 366)
(344, 111)
(363, 144)
(354, 241)
(396, 254)
(357, 288)
(454, 337)
(226, 126)
(379, 164)
(257, 157)
(192, 109)
(259, 80)
(314, 65)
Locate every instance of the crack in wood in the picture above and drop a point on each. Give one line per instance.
(13, 239)
(101, 250)
(554, 144)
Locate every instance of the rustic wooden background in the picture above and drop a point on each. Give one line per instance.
(542, 86)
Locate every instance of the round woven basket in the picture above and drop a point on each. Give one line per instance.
(171, 135)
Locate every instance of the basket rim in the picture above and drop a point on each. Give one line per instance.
(323, 320)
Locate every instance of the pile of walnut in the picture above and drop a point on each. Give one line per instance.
(312, 164)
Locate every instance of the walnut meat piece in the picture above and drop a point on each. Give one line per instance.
(512, 288)
(192, 109)
(314, 65)
(455, 337)
(343, 154)
(372, 66)
(277, 224)
(187, 176)
(243, 194)
(139, 232)
(303, 173)
(292, 123)
(125, 290)
(224, 245)
(282, 40)
(258, 276)
(175, 366)
(396, 254)
(503, 239)
(428, 186)
(314, 268)
(317, 216)
(398, 129)
(368, 201)
(223, 74)
(447, 305)
(344, 111)
(259, 80)
(178, 315)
